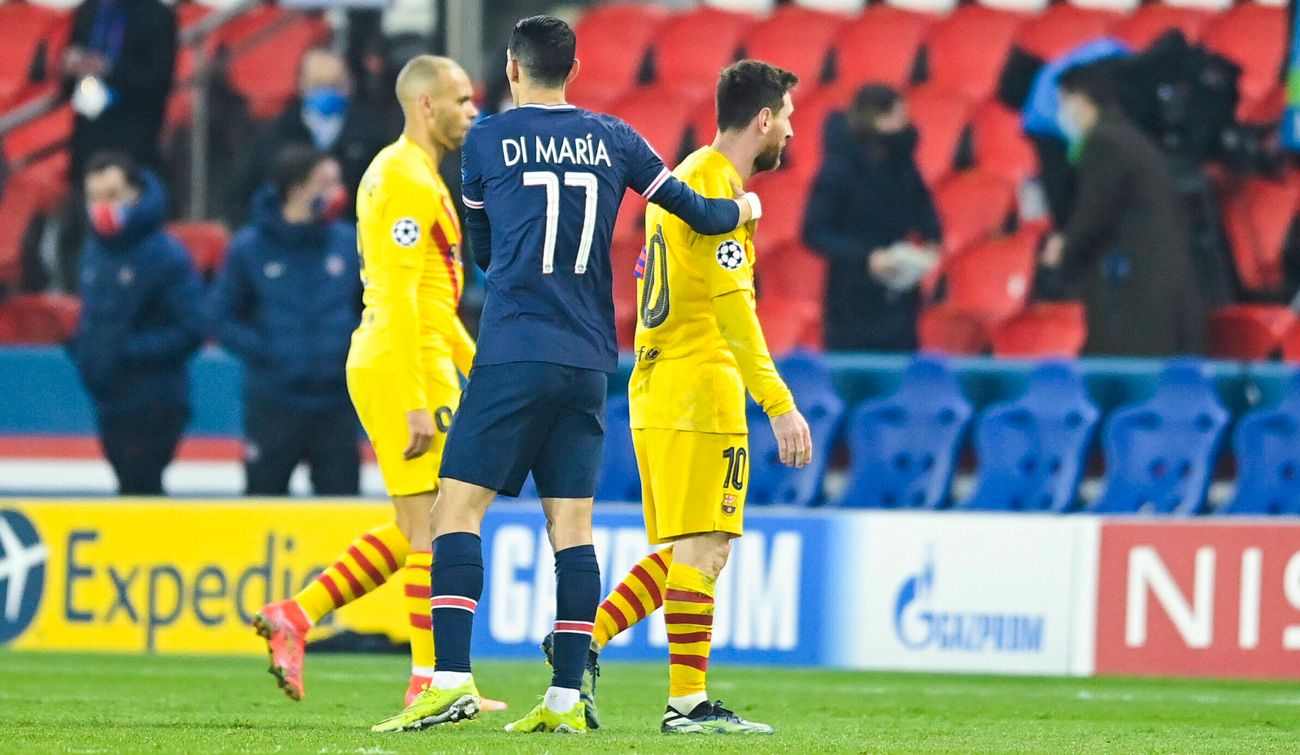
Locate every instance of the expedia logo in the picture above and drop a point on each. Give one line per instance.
(22, 573)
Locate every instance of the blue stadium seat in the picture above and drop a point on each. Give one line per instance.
(1032, 450)
(1160, 453)
(904, 447)
(1267, 444)
(769, 480)
(619, 478)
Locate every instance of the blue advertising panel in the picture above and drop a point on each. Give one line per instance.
(772, 598)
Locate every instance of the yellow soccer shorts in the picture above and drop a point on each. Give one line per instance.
(384, 420)
(691, 482)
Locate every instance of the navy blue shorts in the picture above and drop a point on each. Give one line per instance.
(524, 417)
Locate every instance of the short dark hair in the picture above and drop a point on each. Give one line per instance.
(1095, 80)
(293, 165)
(112, 158)
(545, 47)
(874, 100)
(748, 86)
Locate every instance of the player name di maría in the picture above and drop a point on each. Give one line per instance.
(580, 151)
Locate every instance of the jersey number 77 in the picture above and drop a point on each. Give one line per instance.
(551, 182)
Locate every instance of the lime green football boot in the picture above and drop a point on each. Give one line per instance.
(543, 719)
(710, 718)
(590, 674)
(435, 706)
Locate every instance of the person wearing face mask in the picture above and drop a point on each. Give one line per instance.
(324, 116)
(868, 195)
(1125, 249)
(285, 303)
(141, 321)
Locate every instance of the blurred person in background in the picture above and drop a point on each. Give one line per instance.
(285, 303)
(867, 197)
(141, 321)
(117, 72)
(117, 69)
(403, 368)
(324, 115)
(1125, 248)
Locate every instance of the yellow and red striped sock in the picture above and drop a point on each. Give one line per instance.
(415, 583)
(639, 594)
(367, 563)
(688, 614)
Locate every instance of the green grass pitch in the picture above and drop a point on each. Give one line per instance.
(104, 703)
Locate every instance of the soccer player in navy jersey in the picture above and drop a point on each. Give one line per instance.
(542, 184)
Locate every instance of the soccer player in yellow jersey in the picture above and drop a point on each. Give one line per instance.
(404, 366)
(699, 346)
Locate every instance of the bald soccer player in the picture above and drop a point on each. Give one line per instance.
(404, 366)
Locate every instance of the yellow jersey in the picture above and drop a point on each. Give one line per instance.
(689, 374)
(409, 237)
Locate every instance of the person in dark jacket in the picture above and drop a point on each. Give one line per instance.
(867, 196)
(118, 70)
(286, 303)
(141, 321)
(1126, 246)
(324, 115)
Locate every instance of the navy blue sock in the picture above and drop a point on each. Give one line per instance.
(456, 582)
(577, 594)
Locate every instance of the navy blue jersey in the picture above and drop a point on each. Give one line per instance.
(543, 184)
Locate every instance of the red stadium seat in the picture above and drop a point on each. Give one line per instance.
(972, 205)
(623, 259)
(20, 204)
(660, 116)
(1254, 37)
(1257, 217)
(692, 47)
(1151, 20)
(1291, 344)
(206, 242)
(1049, 329)
(791, 271)
(266, 72)
(189, 13)
(1000, 144)
(986, 285)
(1063, 27)
(48, 136)
(784, 197)
(941, 120)
(1264, 111)
(789, 324)
(968, 49)
(944, 330)
(29, 30)
(880, 46)
(1249, 331)
(613, 40)
(703, 124)
(796, 39)
(992, 279)
(38, 318)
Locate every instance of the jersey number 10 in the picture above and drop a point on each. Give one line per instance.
(551, 182)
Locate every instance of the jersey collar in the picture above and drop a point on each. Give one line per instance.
(540, 106)
(424, 156)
